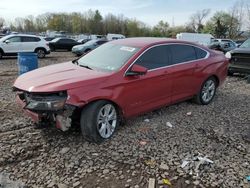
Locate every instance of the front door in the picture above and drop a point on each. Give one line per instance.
(152, 90)
(12, 45)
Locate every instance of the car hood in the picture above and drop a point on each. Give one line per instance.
(81, 46)
(241, 50)
(59, 77)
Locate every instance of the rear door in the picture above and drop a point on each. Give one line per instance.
(29, 44)
(184, 60)
(152, 90)
(12, 45)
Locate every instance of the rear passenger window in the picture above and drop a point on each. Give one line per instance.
(155, 57)
(200, 53)
(182, 53)
(30, 39)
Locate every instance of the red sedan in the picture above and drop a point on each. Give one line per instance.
(120, 79)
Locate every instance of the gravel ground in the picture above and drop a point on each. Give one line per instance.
(170, 144)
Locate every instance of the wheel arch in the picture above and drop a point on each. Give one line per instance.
(42, 48)
(1, 50)
(117, 106)
(216, 79)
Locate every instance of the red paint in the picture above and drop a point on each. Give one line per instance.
(133, 94)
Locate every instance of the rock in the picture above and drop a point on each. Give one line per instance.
(197, 182)
(64, 150)
(164, 166)
(76, 184)
(187, 182)
(105, 171)
(60, 185)
(129, 180)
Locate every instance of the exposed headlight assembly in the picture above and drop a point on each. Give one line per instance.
(45, 102)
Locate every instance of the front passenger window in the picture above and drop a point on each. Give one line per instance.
(14, 39)
(155, 57)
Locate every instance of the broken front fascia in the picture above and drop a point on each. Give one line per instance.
(47, 107)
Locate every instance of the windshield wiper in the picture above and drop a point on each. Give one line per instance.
(85, 66)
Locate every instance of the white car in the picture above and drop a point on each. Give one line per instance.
(12, 44)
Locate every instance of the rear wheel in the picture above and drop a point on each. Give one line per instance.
(99, 121)
(40, 53)
(207, 92)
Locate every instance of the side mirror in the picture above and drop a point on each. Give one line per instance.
(7, 41)
(136, 70)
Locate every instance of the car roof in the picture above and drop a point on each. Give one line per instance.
(23, 35)
(141, 42)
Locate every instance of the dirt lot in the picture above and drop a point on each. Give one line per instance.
(164, 144)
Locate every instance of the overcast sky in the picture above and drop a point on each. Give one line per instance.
(148, 11)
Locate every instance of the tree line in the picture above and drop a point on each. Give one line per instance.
(221, 24)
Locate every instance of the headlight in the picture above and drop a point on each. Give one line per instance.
(48, 102)
(228, 55)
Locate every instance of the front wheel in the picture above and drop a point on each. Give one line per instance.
(207, 92)
(99, 121)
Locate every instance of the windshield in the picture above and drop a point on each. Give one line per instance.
(90, 42)
(5, 37)
(55, 40)
(246, 44)
(108, 57)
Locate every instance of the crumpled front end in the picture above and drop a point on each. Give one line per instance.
(47, 107)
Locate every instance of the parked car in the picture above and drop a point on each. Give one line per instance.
(49, 38)
(82, 41)
(240, 59)
(120, 79)
(62, 44)
(88, 46)
(113, 36)
(239, 42)
(225, 44)
(10, 45)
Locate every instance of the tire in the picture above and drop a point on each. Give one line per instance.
(99, 121)
(207, 92)
(52, 48)
(1, 54)
(40, 53)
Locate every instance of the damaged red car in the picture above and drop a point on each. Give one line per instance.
(120, 79)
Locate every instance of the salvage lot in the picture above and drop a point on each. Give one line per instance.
(145, 147)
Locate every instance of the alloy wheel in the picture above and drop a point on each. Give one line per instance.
(106, 121)
(208, 90)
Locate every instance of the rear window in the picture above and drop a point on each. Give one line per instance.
(200, 53)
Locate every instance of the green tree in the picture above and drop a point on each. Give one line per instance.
(161, 29)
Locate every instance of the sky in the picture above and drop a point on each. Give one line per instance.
(175, 12)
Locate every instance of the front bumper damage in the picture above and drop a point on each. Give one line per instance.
(61, 118)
